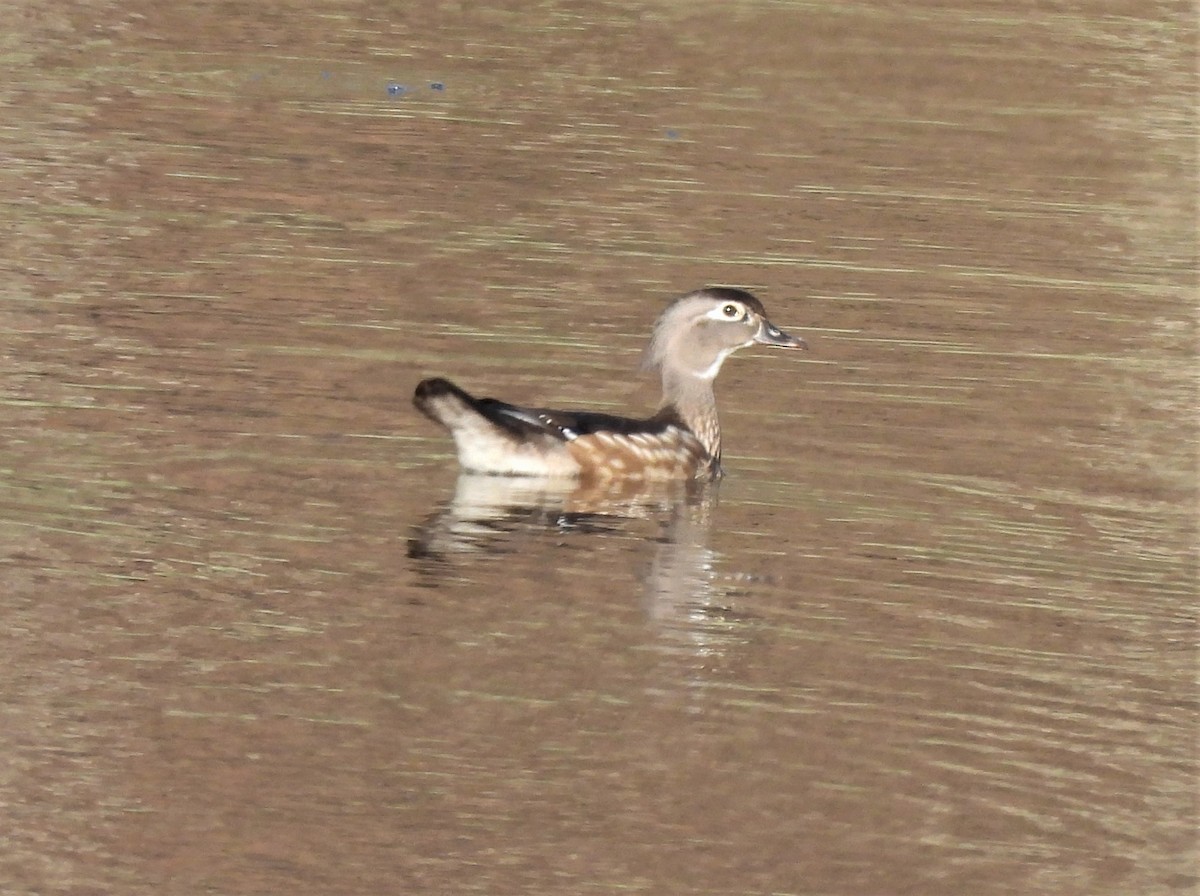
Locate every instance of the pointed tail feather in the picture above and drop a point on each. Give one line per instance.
(459, 411)
(491, 436)
(443, 402)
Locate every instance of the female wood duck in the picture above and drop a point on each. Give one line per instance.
(691, 340)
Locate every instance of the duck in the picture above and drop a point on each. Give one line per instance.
(681, 440)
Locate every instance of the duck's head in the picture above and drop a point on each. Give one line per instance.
(697, 332)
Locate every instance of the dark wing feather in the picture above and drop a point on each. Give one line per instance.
(565, 425)
(436, 396)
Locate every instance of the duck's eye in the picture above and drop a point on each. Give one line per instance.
(731, 311)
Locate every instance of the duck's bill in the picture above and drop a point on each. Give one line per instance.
(769, 334)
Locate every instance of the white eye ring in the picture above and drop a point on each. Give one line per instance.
(731, 311)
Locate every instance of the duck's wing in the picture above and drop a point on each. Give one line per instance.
(444, 402)
(564, 425)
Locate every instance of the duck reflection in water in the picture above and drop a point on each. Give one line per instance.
(498, 516)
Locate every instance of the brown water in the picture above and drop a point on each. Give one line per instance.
(935, 634)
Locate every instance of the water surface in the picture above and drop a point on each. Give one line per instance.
(934, 633)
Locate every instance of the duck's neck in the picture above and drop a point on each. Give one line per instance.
(692, 398)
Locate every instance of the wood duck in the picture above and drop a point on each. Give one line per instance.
(692, 338)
